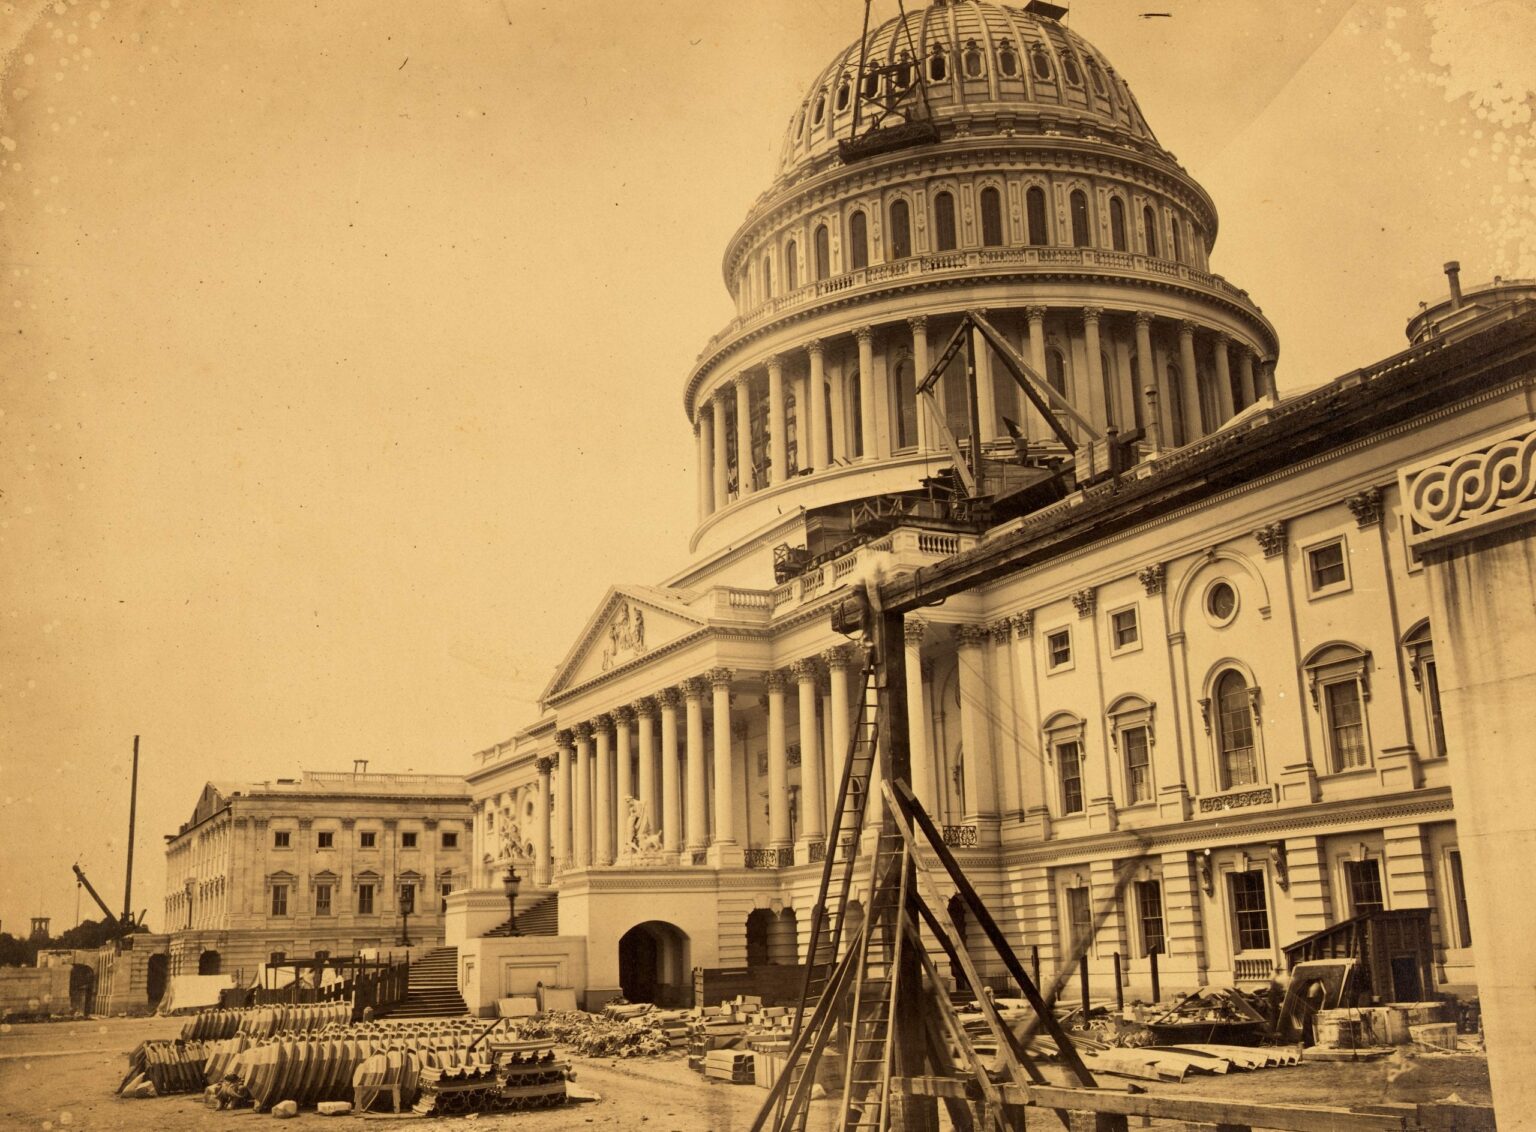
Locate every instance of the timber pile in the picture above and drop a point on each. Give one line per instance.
(742, 1023)
(592, 1035)
(729, 1065)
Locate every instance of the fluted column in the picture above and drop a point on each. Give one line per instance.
(698, 803)
(704, 433)
(778, 764)
(979, 788)
(867, 400)
(645, 735)
(778, 440)
(1159, 430)
(671, 793)
(583, 794)
(725, 786)
(1098, 403)
(920, 364)
(1036, 317)
(545, 764)
(721, 469)
(836, 659)
(812, 795)
(818, 405)
(1224, 404)
(744, 484)
(1245, 375)
(565, 791)
(602, 818)
(1194, 418)
(624, 784)
(917, 715)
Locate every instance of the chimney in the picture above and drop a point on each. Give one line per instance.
(359, 766)
(1453, 273)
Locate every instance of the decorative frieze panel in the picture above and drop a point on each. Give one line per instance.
(961, 836)
(1480, 488)
(770, 858)
(1238, 800)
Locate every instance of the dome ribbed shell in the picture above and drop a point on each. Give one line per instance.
(994, 58)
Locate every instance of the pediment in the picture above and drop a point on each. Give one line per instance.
(631, 622)
(324, 876)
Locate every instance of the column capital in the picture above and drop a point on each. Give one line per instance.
(644, 707)
(1034, 313)
(815, 347)
(603, 724)
(804, 670)
(583, 732)
(836, 657)
(1151, 578)
(1023, 623)
(1085, 601)
(564, 738)
(668, 698)
(1092, 314)
(774, 362)
(864, 333)
(719, 677)
(1144, 318)
(1271, 538)
(970, 636)
(544, 764)
(918, 323)
(1187, 327)
(741, 381)
(1001, 630)
(915, 629)
(693, 688)
(1222, 337)
(623, 715)
(775, 679)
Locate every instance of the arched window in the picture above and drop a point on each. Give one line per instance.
(1174, 391)
(1056, 370)
(1426, 678)
(858, 240)
(1112, 418)
(991, 217)
(906, 404)
(901, 229)
(1079, 208)
(973, 60)
(1034, 208)
(1065, 735)
(1338, 677)
(1069, 69)
(855, 416)
(1117, 224)
(823, 252)
(944, 221)
(759, 920)
(1040, 63)
(1007, 59)
(791, 268)
(1137, 393)
(870, 84)
(1178, 242)
(844, 90)
(820, 112)
(1096, 77)
(938, 65)
(1149, 225)
(902, 77)
(767, 277)
(1237, 760)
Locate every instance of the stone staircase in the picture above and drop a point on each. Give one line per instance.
(432, 990)
(543, 918)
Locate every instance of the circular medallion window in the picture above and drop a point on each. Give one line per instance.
(1220, 602)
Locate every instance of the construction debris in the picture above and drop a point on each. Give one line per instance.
(1210, 1014)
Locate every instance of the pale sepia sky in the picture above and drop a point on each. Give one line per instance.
(342, 344)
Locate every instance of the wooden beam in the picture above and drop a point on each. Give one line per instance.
(1026, 376)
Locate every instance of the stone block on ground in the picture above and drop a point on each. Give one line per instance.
(519, 1006)
(285, 1110)
(334, 1108)
(1436, 1035)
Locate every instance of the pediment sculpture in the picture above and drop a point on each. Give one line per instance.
(626, 634)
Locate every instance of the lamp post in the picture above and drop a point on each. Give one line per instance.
(407, 906)
(509, 883)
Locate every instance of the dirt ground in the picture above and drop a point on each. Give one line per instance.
(62, 1075)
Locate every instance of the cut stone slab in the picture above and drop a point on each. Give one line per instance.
(521, 1006)
(285, 1110)
(334, 1108)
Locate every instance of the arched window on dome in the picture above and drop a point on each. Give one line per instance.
(1137, 393)
(1007, 59)
(791, 267)
(1096, 77)
(906, 404)
(901, 229)
(870, 84)
(1237, 761)
(1079, 209)
(767, 276)
(938, 64)
(855, 414)
(1040, 63)
(1056, 370)
(791, 430)
(944, 221)
(844, 91)
(1178, 242)
(973, 60)
(1034, 209)
(1069, 69)
(819, 112)
(1149, 228)
(991, 217)
(858, 240)
(823, 252)
(1173, 389)
(1107, 371)
(905, 71)
(1117, 224)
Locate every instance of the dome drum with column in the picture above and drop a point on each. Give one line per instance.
(1046, 201)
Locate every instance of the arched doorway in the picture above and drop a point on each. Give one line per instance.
(654, 965)
(208, 963)
(159, 968)
(759, 925)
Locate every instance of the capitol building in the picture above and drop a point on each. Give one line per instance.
(1206, 724)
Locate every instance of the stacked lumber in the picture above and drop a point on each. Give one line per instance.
(730, 1065)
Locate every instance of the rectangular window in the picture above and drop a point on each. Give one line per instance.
(1149, 913)
(279, 899)
(1325, 566)
(407, 841)
(281, 838)
(444, 891)
(1138, 768)
(1079, 919)
(1431, 680)
(1069, 757)
(450, 840)
(1124, 628)
(1459, 896)
(1058, 647)
(322, 900)
(1250, 910)
(1346, 735)
(325, 839)
(365, 899)
(1364, 879)
(367, 839)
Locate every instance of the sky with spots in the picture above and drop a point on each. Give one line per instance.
(342, 344)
